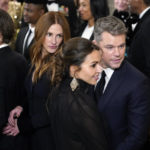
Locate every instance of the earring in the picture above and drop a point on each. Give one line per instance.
(74, 84)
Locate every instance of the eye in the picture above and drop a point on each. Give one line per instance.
(84, 5)
(59, 35)
(93, 65)
(28, 10)
(49, 34)
(122, 46)
(109, 47)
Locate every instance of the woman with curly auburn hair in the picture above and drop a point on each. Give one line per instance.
(51, 31)
(42, 55)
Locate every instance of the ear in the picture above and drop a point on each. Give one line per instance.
(73, 69)
(94, 41)
(42, 12)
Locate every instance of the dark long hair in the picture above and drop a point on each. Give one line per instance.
(99, 8)
(74, 52)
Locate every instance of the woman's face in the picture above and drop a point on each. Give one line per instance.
(85, 10)
(121, 5)
(53, 39)
(90, 68)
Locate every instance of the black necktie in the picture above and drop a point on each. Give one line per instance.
(26, 41)
(100, 86)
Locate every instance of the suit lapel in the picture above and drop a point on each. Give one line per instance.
(112, 87)
(22, 37)
(138, 26)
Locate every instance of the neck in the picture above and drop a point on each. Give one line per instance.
(142, 8)
(32, 25)
(91, 22)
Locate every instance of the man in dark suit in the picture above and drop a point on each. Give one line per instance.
(33, 10)
(125, 102)
(139, 52)
(13, 69)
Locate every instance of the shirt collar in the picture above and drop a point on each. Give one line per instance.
(31, 28)
(3, 45)
(109, 72)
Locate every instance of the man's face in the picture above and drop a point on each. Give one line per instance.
(4, 4)
(113, 48)
(32, 13)
(135, 5)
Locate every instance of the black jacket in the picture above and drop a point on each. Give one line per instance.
(76, 122)
(13, 69)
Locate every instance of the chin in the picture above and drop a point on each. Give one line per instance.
(115, 66)
(93, 83)
(52, 51)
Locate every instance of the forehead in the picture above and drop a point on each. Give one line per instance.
(55, 28)
(121, 1)
(94, 56)
(84, 1)
(31, 6)
(110, 39)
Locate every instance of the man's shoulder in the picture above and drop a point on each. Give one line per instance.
(132, 72)
(23, 30)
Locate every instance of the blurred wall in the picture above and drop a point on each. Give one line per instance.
(111, 5)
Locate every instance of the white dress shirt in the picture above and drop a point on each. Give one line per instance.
(31, 36)
(88, 31)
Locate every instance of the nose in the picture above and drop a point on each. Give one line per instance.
(25, 12)
(116, 51)
(53, 40)
(99, 68)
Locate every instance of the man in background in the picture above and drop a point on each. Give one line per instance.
(33, 10)
(139, 52)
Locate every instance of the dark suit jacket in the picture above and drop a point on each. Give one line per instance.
(139, 52)
(34, 120)
(125, 106)
(20, 41)
(13, 69)
(81, 28)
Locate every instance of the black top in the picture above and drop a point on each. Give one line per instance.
(76, 122)
(13, 69)
(128, 19)
(34, 120)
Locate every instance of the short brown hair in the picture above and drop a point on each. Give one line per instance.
(6, 26)
(109, 24)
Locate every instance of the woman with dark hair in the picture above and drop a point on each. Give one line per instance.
(51, 31)
(76, 122)
(90, 11)
(13, 69)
